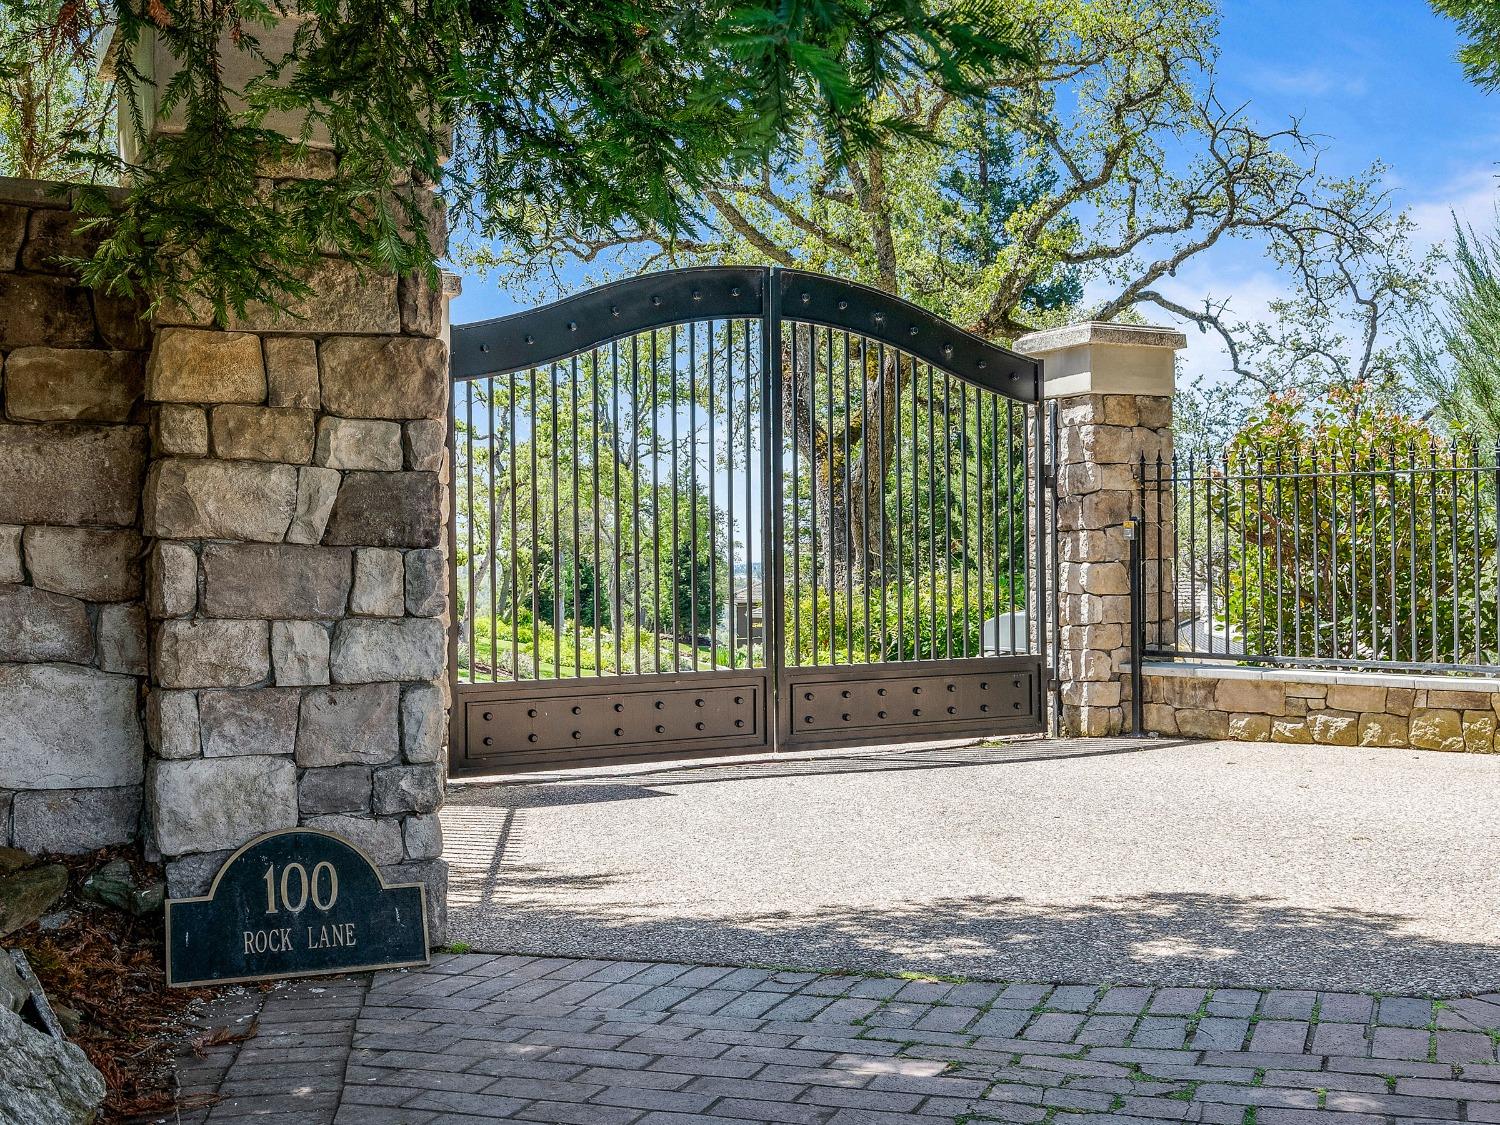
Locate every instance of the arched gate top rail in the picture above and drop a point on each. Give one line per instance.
(587, 320)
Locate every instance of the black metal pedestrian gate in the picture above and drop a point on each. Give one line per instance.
(741, 509)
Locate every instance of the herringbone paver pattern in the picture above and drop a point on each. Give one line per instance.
(479, 1038)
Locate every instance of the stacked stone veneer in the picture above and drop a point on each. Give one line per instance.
(72, 459)
(1113, 386)
(1251, 706)
(297, 578)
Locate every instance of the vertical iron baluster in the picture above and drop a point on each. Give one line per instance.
(595, 383)
(1372, 476)
(1159, 616)
(963, 467)
(637, 515)
(1354, 554)
(1296, 554)
(932, 570)
(1208, 554)
(1260, 551)
(1192, 552)
(796, 501)
(1495, 547)
(713, 514)
(1315, 482)
(729, 486)
(812, 477)
(830, 542)
(982, 574)
(469, 487)
(864, 484)
(536, 519)
(1432, 544)
(692, 514)
(1473, 459)
(656, 521)
(676, 473)
(1244, 559)
(577, 550)
(1411, 519)
(916, 550)
(1333, 548)
(947, 514)
(489, 506)
(513, 544)
(1392, 508)
(617, 609)
(768, 500)
(1010, 513)
(1228, 559)
(900, 519)
(847, 526)
(1453, 579)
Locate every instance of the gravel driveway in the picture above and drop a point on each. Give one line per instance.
(1124, 862)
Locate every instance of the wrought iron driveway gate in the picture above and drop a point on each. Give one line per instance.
(737, 509)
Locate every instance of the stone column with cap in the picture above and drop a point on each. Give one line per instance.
(1113, 384)
(297, 573)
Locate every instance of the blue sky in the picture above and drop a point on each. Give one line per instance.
(1375, 78)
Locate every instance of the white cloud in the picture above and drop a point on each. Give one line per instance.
(1471, 196)
(1309, 82)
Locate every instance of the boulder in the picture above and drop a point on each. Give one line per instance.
(68, 728)
(424, 723)
(115, 885)
(371, 650)
(1334, 728)
(249, 501)
(261, 433)
(27, 894)
(1380, 729)
(351, 443)
(172, 723)
(379, 583)
(407, 789)
(76, 821)
(100, 566)
(203, 653)
(1439, 729)
(41, 625)
(386, 510)
(172, 589)
(10, 555)
(424, 836)
(334, 789)
(44, 311)
(189, 365)
(45, 1080)
(292, 372)
(262, 721)
(299, 653)
(180, 431)
(205, 804)
(349, 725)
(122, 638)
(378, 838)
(101, 486)
(426, 444)
(275, 581)
(426, 583)
(317, 488)
(71, 385)
(392, 377)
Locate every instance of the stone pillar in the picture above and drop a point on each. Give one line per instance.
(297, 578)
(1114, 386)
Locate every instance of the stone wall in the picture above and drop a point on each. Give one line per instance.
(297, 579)
(1331, 709)
(72, 459)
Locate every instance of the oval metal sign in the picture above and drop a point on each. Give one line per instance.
(295, 903)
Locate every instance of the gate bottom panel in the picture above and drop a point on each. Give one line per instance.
(579, 722)
(913, 701)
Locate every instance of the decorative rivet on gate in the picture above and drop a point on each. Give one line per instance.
(619, 732)
(619, 706)
(661, 730)
(734, 292)
(880, 318)
(843, 305)
(577, 734)
(656, 300)
(952, 687)
(488, 716)
(846, 718)
(881, 714)
(739, 699)
(807, 695)
(697, 296)
(984, 707)
(807, 718)
(984, 685)
(572, 326)
(844, 694)
(912, 331)
(484, 347)
(916, 712)
(916, 691)
(953, 710)
(488, 741)
(660, 706)
(697, 703)
(578, 710)
(531, 713)
(531, 738)
(698, 726)
(880, 691)
(739, 722)
(1016, 705)
(806, 298)
(1015, 683)
(1014, 376)
(947, 349)
(983, 363)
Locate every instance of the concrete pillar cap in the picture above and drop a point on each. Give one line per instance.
(1109, 359)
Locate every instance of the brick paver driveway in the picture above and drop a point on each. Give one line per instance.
(482, 1038)
(1159, 863)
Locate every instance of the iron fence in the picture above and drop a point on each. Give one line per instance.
(1364, 559)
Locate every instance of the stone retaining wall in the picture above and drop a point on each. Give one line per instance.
(1362, 710)
(72, 459)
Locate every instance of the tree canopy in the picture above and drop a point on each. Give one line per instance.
(1479, 21)
(526, 117)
